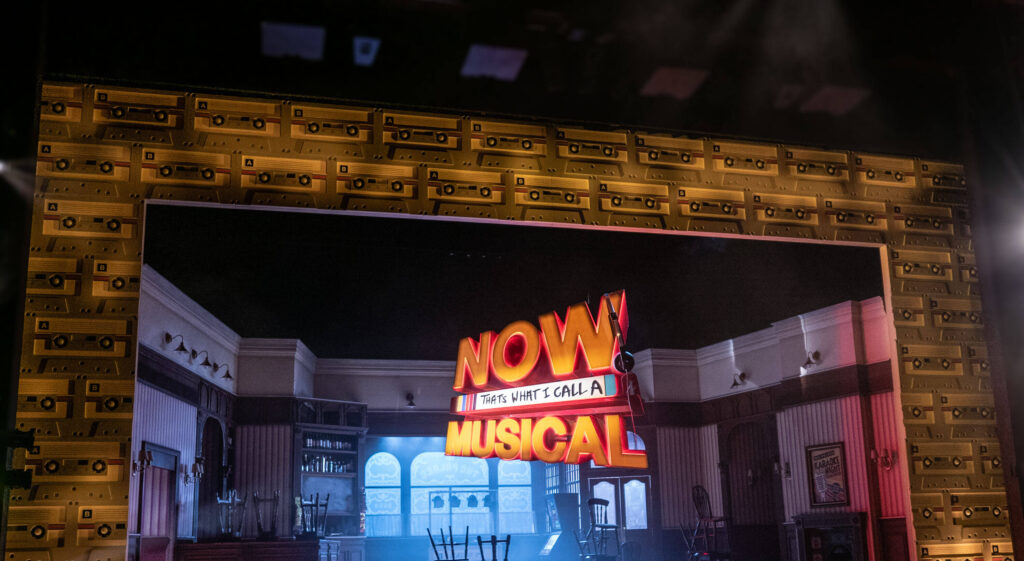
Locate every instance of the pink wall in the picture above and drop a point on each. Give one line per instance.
(892, 483)
(687, 456)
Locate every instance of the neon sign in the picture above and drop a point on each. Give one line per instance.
(554, 393)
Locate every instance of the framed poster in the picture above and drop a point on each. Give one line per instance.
(826, 474)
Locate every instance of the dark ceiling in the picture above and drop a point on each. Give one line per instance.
(408, 288)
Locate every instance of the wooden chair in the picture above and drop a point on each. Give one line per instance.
(313, 515)
(703, 537)
(448, 544)
(260, 505)
(231, 515)
(494, 541)
(597, 536)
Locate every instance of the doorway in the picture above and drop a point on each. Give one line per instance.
(210, 485)
(752, 489)
(629, 507)
(158, 503)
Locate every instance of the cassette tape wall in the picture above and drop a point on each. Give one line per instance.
(103, 152)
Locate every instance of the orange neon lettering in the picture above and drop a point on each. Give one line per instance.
(525, 438)
(540, 430)
(457, 443)
(619, 455)
(483, 448)
(520, 336)
(508, 444)
(579, 331)
(473, 358)
(586, 443)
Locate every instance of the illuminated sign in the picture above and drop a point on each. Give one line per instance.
(554, 392)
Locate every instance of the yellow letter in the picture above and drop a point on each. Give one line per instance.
(586, 443)
(542, 452)
(508, 439)
(457, 443)
(473, 357)
(618, 454)
(525, 437)
(518, 332)
(563, 340)
(483, 448)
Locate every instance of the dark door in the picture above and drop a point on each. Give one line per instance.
(752, 489)
(629, 507)
(158, 504)
(211, 483)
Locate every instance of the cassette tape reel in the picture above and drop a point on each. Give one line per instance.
(56, 336)
(116, 279)
(753, 159)
(957, 313)
(508, 138)
(938, 174)
(208, 169)
(53, 276)
(109, 399)
(376, 180)
(942, 458)
(231, 116)
(89, 220)
(711, 203)
(968, 408)
(100, 526)
(136, 108)
(61, 103)
(909, 311)
(925, 220)
(891, 172)
(859, 215)
(918, 408)
(35, 527)
(326, 124)
(472, 187)
(552, 192)
(817, 165)
(283, 174)
(45, 398)
(422, 131)
(581, 144)
(932, 359)
(633, 198)
(789, 209)
(77, 161)
(666, 151)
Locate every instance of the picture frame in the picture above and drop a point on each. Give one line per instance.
(826, 475)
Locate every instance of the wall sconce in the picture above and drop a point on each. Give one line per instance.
(738, 379)
(195, 473)
(168, 338)
(408, 400)
(887, 459)
(145, 459)
(813, 357)
(206, 359)
(227, 371)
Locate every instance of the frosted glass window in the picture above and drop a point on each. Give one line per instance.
(514, 472)
(383, 470)
(434, 468)
(635, 504)
(515, 510)
(606, 490)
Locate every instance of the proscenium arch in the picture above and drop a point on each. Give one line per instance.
(100, 156)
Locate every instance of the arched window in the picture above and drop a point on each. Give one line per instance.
(633, 442)
(515, 498)
(450, 491)
(383, 495)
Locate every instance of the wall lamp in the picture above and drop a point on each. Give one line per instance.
(738, 379)
(813, 357)
(168, 339)
(227, 371)
(408, 400)
(144, 460)
(194, 473)
(206, 359)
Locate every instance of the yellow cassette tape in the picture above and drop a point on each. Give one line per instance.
(464, 186)
(927, 265)
(552, 192)
(87, 461)
(918, 408)
(508, 138)
(61, 103)
(45, 398)
(283, 174)
(233, 116)
(83, 161)
(633, 198)
(138, 108)
(968, 408)
(89, 220)
(100, 525)
(109, 399)
(310, 122)
(960, 550)
(790, 209)
(116, 279)
(56, 336)
(863, 215)
(957, 312)
(939, 174)
(735, 157)
(989, 456)
(421, 130)
(35, 526)
(817, 164)
(909, 311)
(376, 180)
(968, 267)
(667, 151)
(921, 219)
(208, 169)
(581, 144)
(978, 355)
(942, 458)
(711, 203)
(52, 276)
(880, 170)
(932, 359)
